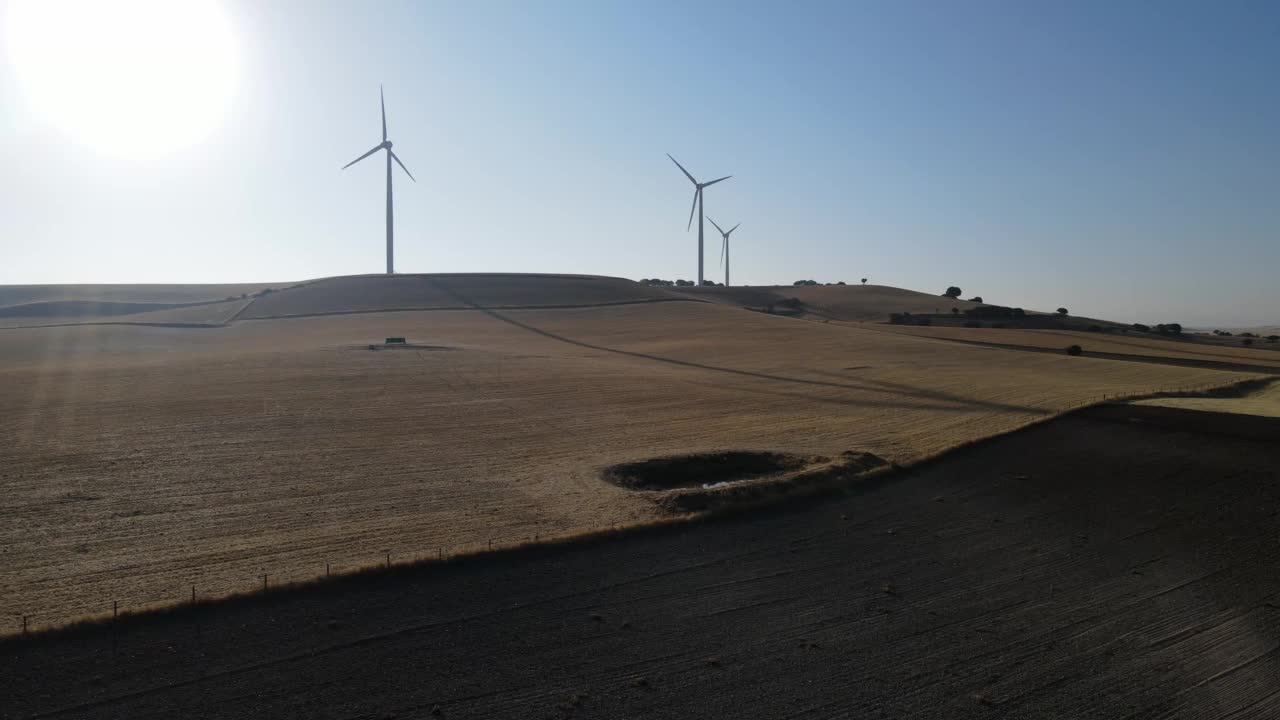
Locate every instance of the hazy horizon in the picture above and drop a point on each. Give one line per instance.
(1119, 160)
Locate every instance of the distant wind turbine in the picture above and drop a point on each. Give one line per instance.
(386, 145)
(724, 248)
(697, 205)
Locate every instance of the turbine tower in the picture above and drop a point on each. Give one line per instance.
(724, 248)
(697, 205)
(386, 145)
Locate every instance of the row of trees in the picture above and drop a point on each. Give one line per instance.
(815, 282)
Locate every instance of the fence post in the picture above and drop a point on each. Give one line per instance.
(326, 569)
(24, 624)
(264, 581)
(193, 594)
(388, 558)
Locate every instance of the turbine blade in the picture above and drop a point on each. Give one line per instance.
(402, 167)
(686, 172)
(382, 99)
(693, 207)
(723, 246)
(713, 182)
(353, 162)
(713, 222)
(735, 227)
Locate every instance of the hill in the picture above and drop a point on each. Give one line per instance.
(373, 293)
(859, 303)
(142, 460)
(157, 294)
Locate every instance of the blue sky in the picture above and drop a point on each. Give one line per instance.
(1120, 159)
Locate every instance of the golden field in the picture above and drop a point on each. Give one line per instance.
(1117, 343)
(140, 461)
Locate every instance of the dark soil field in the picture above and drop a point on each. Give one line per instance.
(1120, 562)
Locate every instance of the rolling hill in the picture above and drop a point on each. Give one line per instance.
(143, 460)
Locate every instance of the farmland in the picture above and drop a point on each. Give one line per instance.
(995, 583)
(1111, 343)
(146, 460)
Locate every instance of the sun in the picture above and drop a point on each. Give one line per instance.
(132, 77)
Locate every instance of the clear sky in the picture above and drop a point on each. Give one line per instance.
(1117, 158)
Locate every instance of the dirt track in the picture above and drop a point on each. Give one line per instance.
(1116, 563)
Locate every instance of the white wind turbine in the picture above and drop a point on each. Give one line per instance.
(386, 145)
(697, 205)
(724, 248)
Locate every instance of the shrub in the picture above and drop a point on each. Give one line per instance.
(1141, 328)
(955, 311)
(1247, 341)
(1062, 311)
(1248, 334)
(999, 326)
(1019, 313)
(805, 282)
(976, 298)
(656, 282)
(906, 318)
(972, 324)
(840, 282)
(684, 283)
(1095, 328)
(1074, 350)
(1169, 329)
(952, 292)
(864, 281)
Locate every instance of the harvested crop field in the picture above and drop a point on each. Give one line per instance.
(1115, 563)
(1092, 342)
(147, 460)
(1264, 402)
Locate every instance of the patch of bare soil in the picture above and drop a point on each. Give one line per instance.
(1115, 563)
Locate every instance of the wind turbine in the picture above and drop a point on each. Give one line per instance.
(697, 204)
(386, 145)
(724, 249)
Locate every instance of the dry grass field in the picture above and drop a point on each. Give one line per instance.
(141, 461)
(1118, 344)
(1265, 402)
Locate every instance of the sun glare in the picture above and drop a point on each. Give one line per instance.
(126, 77)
